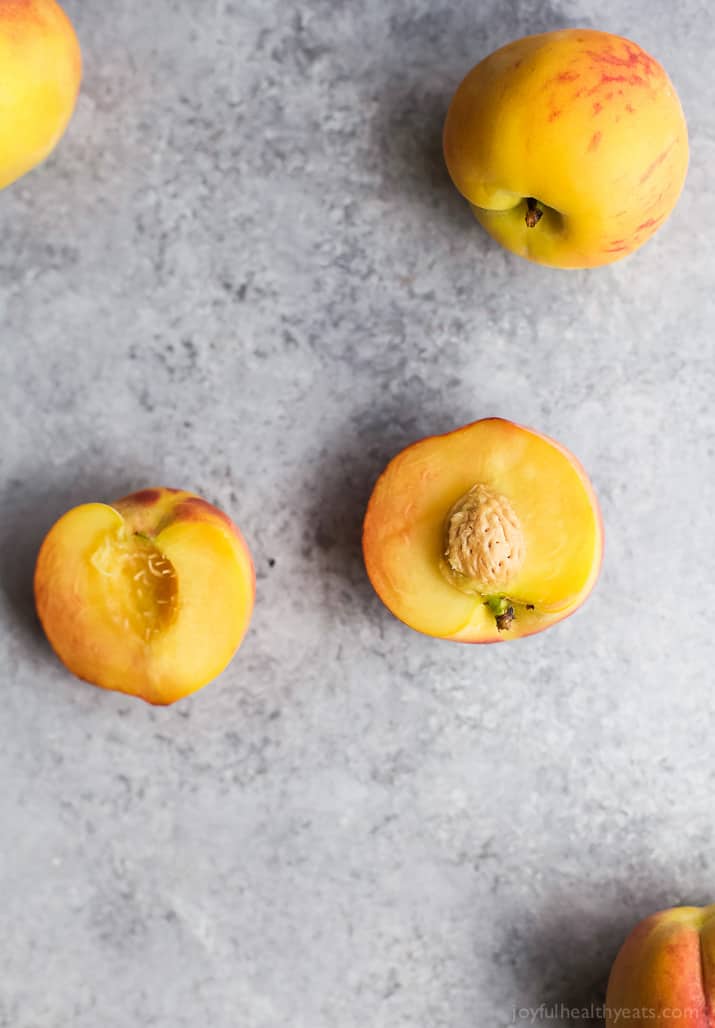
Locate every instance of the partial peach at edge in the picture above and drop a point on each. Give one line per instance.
(41, 67)
(664, 974)
(150, 596)
(405, 530)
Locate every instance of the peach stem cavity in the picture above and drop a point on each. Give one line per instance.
(534, 212)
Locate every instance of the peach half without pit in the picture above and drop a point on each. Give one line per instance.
(487, 533)
(149, 596)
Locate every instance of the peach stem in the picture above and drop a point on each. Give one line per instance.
(503, 612)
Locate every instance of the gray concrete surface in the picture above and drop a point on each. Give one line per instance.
(245, 272)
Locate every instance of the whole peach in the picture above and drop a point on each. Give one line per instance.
(571, 146)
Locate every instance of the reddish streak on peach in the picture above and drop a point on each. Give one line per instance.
(597, 108)
(606, 80)
(634, 59)
(656, 164)
(595, 141)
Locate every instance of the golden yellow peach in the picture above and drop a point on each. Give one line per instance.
(571, 146)
(41, 71)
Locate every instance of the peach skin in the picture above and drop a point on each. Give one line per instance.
(150, 596)
(488, 533)
(41, 71)
(664, 974)
(571, 146)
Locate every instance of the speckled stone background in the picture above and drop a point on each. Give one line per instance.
(245, 272)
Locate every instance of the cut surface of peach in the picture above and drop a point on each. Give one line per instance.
(488, 533)
(149, 596)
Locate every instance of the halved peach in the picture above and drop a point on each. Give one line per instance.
(487, 533)
(150, 596)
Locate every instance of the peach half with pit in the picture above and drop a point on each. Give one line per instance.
(571, 146)
(149, 596)
(488, 533)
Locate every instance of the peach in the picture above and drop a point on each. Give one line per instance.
(150, 596)
(487, 533)
(41, 71)
(664, 974)
(571, 146)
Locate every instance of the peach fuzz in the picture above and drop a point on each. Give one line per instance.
(150, 596)
(41, 71)
(664, 974)
(571, 146)
(487, 533)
